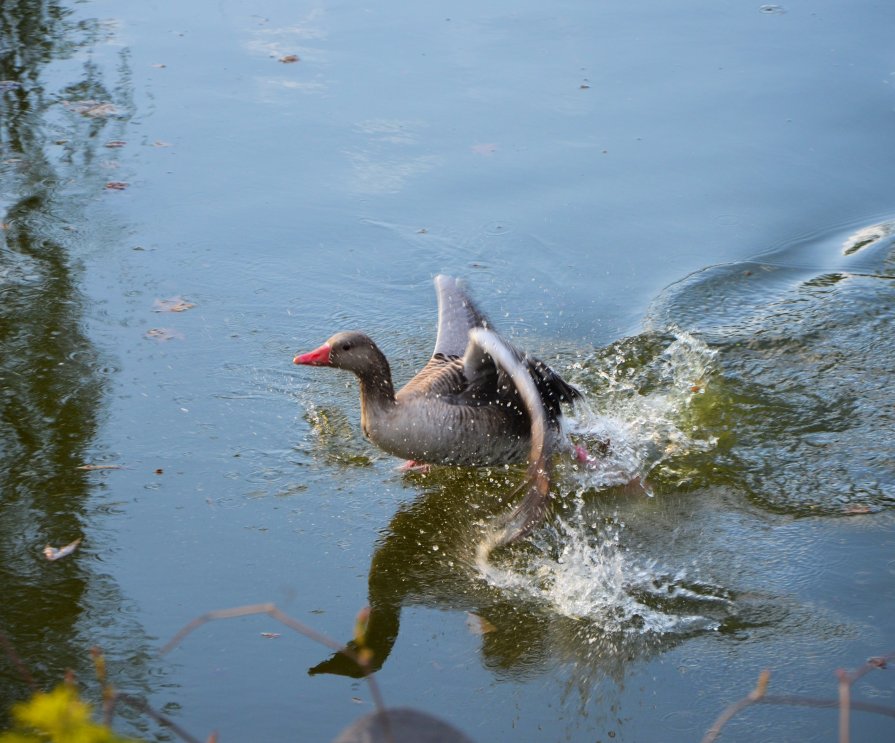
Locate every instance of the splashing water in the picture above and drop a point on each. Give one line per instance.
(581, 571)
(638, 415)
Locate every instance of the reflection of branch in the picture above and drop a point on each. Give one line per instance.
(142, 706)
(844, 703)
(111, 698)
(17, 662)
(362, 659)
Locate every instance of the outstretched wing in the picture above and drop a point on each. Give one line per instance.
(457, 315)
(489, 379)
(518, 522)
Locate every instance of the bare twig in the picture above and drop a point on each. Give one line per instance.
(797, 701)
(844, 702)
(734, 709)
(846, 679)
(362, 660)
(99, 667)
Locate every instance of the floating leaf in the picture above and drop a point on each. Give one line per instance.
(173, 304)
(116, 185)
(164, 334)
(485, 149)
(270, 635)
(853, 509)
(115, 143)
(478, 625)
(91, 467)
(51, 553)
(289, 58)
(94, 109)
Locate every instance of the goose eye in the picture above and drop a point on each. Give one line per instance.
(346, 345)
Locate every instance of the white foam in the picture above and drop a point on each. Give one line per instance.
(580, 570)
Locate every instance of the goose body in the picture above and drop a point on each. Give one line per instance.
(463, 407)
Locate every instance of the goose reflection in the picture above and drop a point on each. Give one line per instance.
(427, 558)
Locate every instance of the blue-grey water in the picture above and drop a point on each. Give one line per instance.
(686, 208)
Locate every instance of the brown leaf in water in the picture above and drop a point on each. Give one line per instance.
(854, 509)
(172, 304)
(94, 109)
(270, 635)
(478, 625)
(485, 149)
(116, 185)
(287, 59)
(115, 144)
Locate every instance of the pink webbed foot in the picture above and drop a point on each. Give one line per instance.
(413, 466)
(583, 456)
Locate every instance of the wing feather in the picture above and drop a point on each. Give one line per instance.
(457, 315)
(520, 520)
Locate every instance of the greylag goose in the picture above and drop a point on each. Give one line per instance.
(469, 405)
(478, 401)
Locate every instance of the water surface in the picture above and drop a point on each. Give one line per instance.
(686, 209)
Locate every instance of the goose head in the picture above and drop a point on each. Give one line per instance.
(352, 351)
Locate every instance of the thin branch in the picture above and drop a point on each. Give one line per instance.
(273, 611)
(797, 701)
(844, 702)
(876, 662)
(734, 709)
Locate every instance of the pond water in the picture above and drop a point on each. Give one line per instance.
(685, 208)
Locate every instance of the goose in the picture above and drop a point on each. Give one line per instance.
(470, 405)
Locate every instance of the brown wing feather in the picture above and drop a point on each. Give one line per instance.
(440, 377)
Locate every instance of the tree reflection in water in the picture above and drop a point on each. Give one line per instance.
(51, 378)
